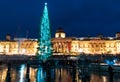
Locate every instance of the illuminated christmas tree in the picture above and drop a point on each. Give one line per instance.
(44, 50)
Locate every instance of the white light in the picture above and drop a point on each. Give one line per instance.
(22, 73)
(104, 79)
(80, 50)
(81, 38)
(45, 3)
(110, 38)
(24, 51)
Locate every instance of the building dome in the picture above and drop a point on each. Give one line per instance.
(60, 30)
(60, 33)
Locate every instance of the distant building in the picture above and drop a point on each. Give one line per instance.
(63, 45)
(86, 45)
(18, 46)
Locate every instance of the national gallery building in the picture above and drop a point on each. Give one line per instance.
(62, 45)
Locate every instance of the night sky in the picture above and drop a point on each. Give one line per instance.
(77, 17)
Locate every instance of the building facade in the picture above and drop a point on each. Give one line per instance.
(62, 45)
(20, 46)
(85, 45)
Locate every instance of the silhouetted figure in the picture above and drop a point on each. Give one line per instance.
(110, 69)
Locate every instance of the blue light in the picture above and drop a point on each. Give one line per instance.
(22, 69)
(114, 60)
(40, 75)
(111, 62)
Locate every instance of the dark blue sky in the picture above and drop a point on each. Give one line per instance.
(76, 17)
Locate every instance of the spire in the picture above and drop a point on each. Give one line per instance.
(44, 50)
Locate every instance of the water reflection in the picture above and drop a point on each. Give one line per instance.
(8, 78)
(22, 73)
(40, 74)
(27, 73)
(62, 75)
(34, 73)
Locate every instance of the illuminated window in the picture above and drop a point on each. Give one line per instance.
(62, 35)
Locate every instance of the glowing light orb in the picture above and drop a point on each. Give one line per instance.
(45, 3)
